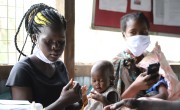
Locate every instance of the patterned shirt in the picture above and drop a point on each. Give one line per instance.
(125, 72)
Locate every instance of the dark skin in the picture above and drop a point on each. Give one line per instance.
(100, 82)
(145, 104)
(143, 81)
(52, 44)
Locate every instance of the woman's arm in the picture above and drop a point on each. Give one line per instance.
(145, 104)
(25, 93)
(142, 82)
(21, 93)
(130, 92)
(69, 95)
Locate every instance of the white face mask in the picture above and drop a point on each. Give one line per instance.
(137, 44)
(38, 53)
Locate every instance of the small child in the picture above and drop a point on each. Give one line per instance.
(103, 92)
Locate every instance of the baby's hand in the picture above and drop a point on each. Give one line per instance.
(96, 96)
(84, 90)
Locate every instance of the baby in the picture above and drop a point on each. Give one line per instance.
(103, 92)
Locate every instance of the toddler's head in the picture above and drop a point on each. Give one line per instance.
(102, 75)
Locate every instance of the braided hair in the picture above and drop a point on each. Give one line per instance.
(133, 16)
(37, 16)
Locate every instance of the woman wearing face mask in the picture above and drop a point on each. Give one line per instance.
(132, 81)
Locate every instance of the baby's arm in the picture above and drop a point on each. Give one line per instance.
(84, 96)
(163, 93)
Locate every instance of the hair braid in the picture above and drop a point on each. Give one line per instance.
(38, 15)
(15, 38)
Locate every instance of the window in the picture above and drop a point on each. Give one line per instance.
(12, 12)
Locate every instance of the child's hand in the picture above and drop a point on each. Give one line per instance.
(99, 97)
(84, 90)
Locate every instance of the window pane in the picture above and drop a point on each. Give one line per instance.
(19, 13)
(3, 23)
(4, 58)
(3, 2)
(11, 2)
(27, 48)
(20, 37)
(20, 3)
(18, 20)
(4, 12)
(3, 34)
(11, 12)
(11, 23)
(11, 46)
(10, 18)
(13, 57)
(11, 34)
(3, 45)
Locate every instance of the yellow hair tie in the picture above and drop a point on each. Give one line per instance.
(40, 19)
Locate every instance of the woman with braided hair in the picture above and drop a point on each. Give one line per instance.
(42, 77)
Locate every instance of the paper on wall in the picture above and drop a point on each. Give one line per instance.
(142, 5)
(158, 11)
(166, 12)
(172, 12)
(113, 5)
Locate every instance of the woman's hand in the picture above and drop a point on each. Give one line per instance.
(129, 103)
(144, 81)
(71, 93)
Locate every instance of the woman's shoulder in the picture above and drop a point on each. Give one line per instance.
(20, 73)
(24, 67)
(25, 62)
